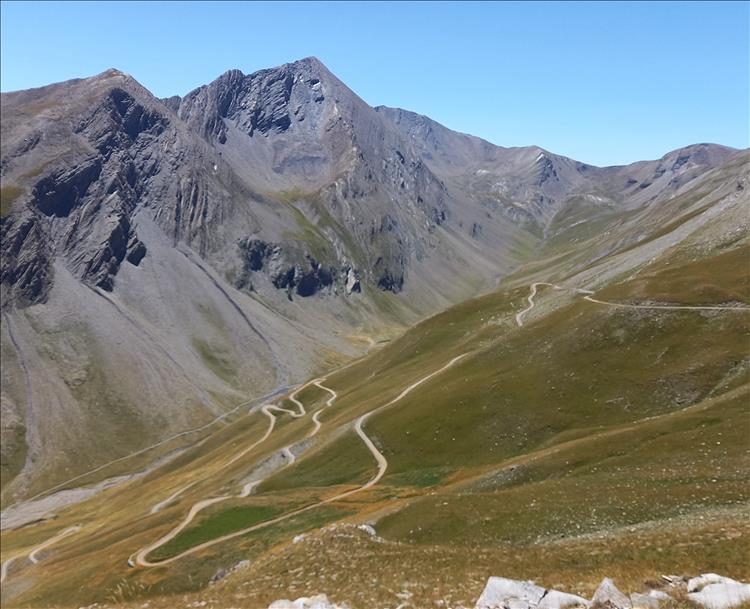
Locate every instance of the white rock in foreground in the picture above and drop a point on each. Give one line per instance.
(650, 600)
(698, 583)
(722, 595)
(607, 595)
(562, 600)
(367, 529)
(502, 593)
(319, 601)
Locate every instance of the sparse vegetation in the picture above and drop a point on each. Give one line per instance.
(8, 195)
(215, 359)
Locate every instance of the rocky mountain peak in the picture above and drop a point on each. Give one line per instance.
(359, 191)
(266, 100)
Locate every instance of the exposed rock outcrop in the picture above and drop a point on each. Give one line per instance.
(26, 262)
(290, 270)
(710, 590)
(501, 593)
(713, 591)
(607, 596)
(649, 600)
(319, 601)
(82, 209)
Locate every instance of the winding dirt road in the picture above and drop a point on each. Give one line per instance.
(666, 307)
(32, 556)
(530, 299)
(268, 410)
(140, 558)
(587, 296)
(272, 411)
(329, 402)
(146, 449)
(162, 504)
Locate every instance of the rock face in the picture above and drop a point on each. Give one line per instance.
(348, 182)
(294, 272)
(82, 202)
(25, 269)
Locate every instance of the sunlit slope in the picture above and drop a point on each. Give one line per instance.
(648, 472)
(598, 242)
(582, 367)
(575, 374)
(588, 420)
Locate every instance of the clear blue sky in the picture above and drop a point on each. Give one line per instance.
(605, 83)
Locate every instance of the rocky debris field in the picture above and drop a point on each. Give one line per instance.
(708, 590)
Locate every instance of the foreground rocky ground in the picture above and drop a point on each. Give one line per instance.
(709, 590)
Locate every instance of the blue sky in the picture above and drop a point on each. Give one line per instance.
(605, 83)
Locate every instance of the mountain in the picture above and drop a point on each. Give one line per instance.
(266, 341)
(164, 260)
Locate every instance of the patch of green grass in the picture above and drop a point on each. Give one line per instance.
(221, 523)
(648, 471)
(718, 279)
(292, 195)
(578, 371)
(346, 461)
(308, 233)
(8, 195)
(216, 359)
(420, 478)
(192, 572)
(581, 367)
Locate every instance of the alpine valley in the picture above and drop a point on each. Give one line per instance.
(267, 341)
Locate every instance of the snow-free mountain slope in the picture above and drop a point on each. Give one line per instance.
(166, 260)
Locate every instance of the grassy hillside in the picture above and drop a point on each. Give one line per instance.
(594, 440)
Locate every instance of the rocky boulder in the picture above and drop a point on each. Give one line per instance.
(608, 596)
(650, 600)
(696, 584)
(501, 593)
(562, 600)
(714, 591)
(504, 593)
(319, 601)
